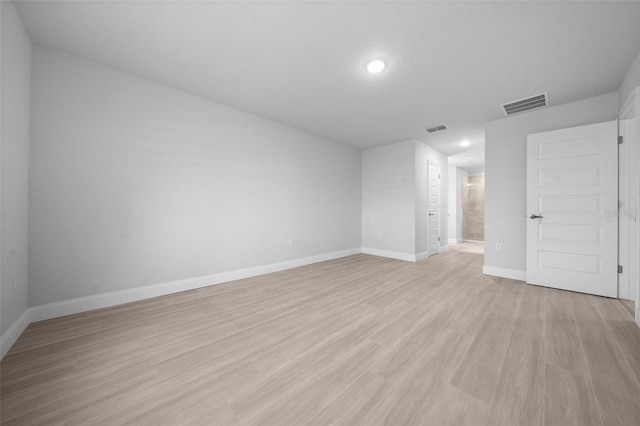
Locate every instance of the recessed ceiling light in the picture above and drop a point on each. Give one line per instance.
(465, 142)
(375, 66)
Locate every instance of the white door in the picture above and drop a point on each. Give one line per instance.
(572, 204)
(433, 207)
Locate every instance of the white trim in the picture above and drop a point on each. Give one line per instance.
(422, 256)
(386, 253)
(626, 175)
(630, 110)
(14, 331)
(513, 274)
(399, 255)
(430, 165)
(624, 197)
(636, 159)
(455, 241)
(105, 300)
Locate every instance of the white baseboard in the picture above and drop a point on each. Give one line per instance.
(513, 274)
(12, 333)
(105, 300)
(455, 241)
(386, 253)
(401, 256)
(422, 256)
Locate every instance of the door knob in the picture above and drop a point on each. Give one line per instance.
(432, 214)
(535, 216)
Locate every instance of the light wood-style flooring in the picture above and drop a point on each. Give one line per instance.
(361, 340)
(468, 246)
(629, 305)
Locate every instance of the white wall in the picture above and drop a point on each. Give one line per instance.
(463, 181)
(630, 82)
(15, 86)
(455, 204)
(452, 208)
(423, 154)
(388, 198)
(505, 173)
(134, 183)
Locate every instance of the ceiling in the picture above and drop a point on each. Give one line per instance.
(303, 63)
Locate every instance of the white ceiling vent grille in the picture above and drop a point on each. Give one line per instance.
(526, 104)
(439, 127)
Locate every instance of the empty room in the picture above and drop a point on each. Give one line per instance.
(320, 213)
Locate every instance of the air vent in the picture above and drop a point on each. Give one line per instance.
(522, 105)
(433, 129)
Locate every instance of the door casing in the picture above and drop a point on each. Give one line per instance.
(433, 208)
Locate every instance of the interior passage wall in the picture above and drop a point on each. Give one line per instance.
(134, 183)
(630, 82)
(505, 172)
(452, 213)
(15, 86)
(388, 198)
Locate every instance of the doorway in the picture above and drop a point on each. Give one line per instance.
(473, 207)
(466, 209)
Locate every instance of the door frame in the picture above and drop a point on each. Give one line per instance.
(629, 177)
(430, 164)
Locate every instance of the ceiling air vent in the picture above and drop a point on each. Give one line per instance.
(522, 105)
(433, 129)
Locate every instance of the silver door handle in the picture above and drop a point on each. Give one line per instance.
(536, 216)
(432, 214)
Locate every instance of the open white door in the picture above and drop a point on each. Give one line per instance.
(572, 203)
(433, 207)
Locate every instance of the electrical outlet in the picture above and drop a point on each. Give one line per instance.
(498, 246)
(291, 242)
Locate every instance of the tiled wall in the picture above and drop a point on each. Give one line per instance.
(473, 207)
